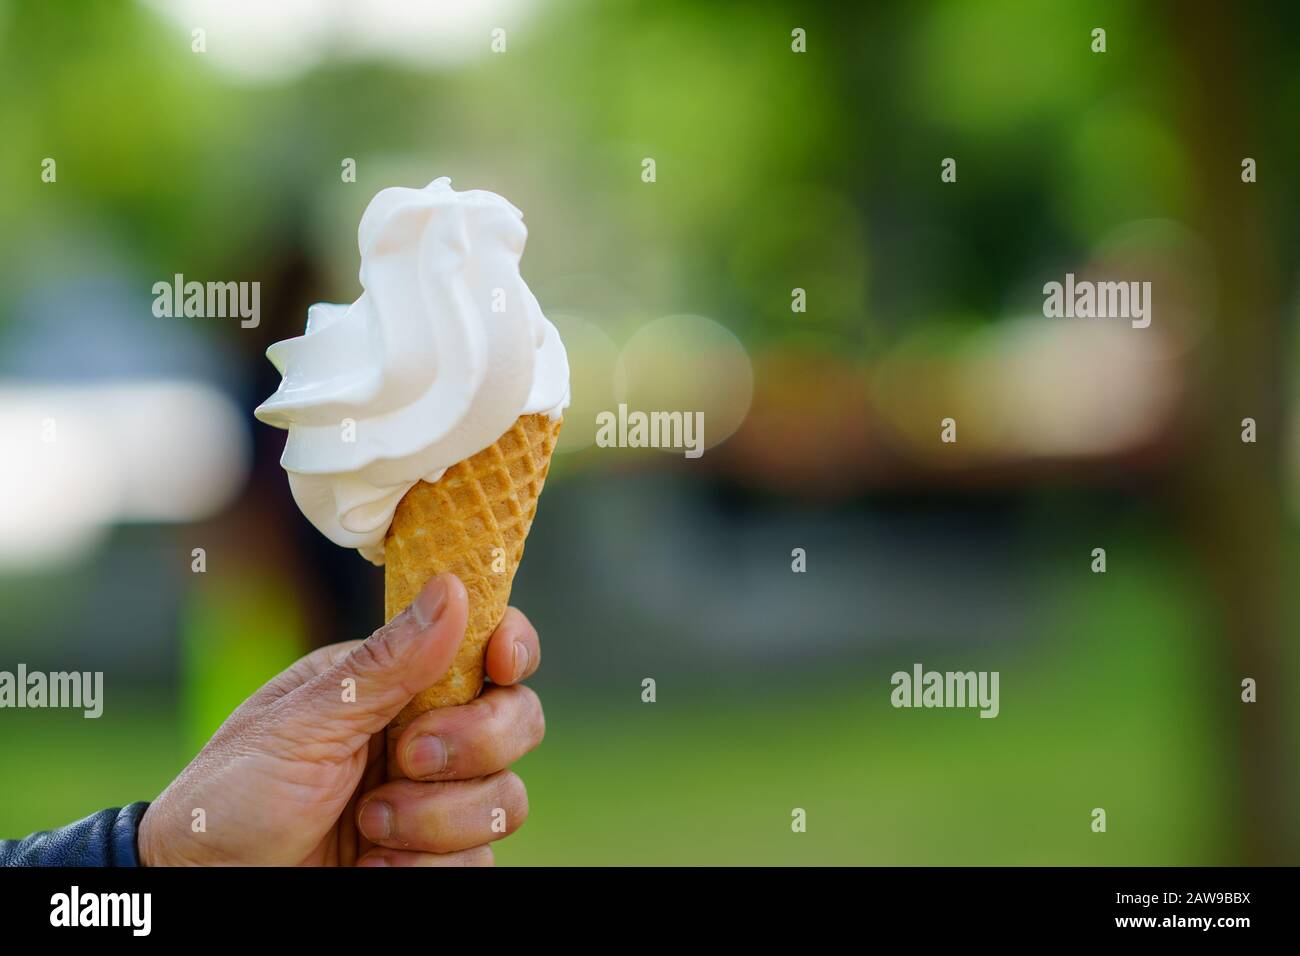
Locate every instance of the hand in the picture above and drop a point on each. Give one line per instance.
(296, 775)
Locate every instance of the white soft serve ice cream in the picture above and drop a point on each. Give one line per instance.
(444, 349)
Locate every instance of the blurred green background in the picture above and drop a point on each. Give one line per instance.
(775, 171)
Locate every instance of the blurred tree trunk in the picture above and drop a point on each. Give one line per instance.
(1232, 496)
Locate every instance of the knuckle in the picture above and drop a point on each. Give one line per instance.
(376, 653)
(533, 717)
(491, 712)
(514, 798)
(491, 752)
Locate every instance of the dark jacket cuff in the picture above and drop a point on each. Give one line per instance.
(106, 838)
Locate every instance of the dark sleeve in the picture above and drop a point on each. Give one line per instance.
(106, 838)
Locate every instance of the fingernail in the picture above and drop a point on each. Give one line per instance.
(429, 603)
(426, 755)
(521, 659)
(376, 820)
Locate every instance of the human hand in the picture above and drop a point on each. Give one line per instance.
(296, 775)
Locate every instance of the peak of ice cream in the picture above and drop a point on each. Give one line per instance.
(443, 351)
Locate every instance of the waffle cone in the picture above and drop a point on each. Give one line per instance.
(471, 522)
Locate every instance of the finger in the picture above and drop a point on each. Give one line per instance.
(303, 670)
(351, 843)
(443, 817)
(478, 856)
(514, 650)
(474, 739)
(358, 695)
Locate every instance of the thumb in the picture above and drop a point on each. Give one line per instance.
(402, 658)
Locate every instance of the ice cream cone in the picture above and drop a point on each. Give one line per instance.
(471, 522)
(444, 349)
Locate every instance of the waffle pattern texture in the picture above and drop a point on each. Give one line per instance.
(471, 522)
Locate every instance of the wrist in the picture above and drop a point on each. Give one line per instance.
(146, 843)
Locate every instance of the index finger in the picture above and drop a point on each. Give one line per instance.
(514, 650)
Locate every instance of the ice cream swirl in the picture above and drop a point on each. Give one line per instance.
(444, 349)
